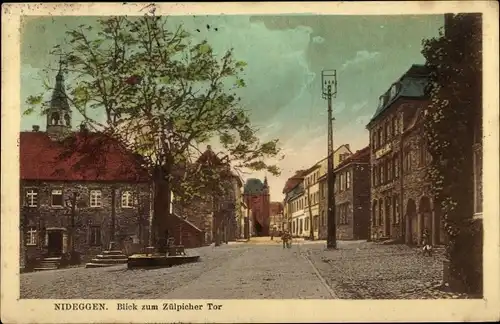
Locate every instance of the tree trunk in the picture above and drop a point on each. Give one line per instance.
(162, 201)
(311, 228)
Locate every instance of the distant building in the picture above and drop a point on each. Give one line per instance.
(79, 190)
(339, 155)
(311, 208)
(276, 222)
(256, 197)
(352, 196)
(202, 211)
(402, 207)
(292, 190)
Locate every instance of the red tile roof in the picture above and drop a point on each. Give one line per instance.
(294, 180)
(362, 155)
(79, 157)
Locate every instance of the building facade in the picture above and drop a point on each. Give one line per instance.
(352, 196)
(339, 155)
(402, 207)
(79, 191)
(212, 211)
(256, 197)
(296, 202)
(311, 208)
(276, 218)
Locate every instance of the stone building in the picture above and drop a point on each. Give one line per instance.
(256, 197)
(352, 196)
(79, 190)
(402, 207)
(202, 209)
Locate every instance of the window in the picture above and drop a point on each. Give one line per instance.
(478, 179)
(395, 125)
(374, 213)
(343, 214)
(301, 225)
(32, 197)
(31, 236)
(348, 179)
(420, 152)
(390, 171)
(316, 221)
(396, 166)
(407, 161)
(127, 199)
(380, 212)
(95, 198)
(382, 173)
(374, 137)
(95, 235)
(57, 198)
(379, 138)
(397, 216)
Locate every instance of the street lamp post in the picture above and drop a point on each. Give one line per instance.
(329, 91)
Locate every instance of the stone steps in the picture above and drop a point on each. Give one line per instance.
(107, 259)
(52, 263)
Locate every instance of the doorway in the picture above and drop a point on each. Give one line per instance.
(55, 243)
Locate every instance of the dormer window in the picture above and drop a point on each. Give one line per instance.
(381, 102)
(394, 90)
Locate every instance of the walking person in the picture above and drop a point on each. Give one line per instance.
(284, 239)
(427, 247)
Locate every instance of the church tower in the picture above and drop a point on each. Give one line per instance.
(59, 112)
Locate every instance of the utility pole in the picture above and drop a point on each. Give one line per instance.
(329, 90)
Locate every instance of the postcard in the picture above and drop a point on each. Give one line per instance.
(250, 162)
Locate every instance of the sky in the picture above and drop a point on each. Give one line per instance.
(285, 57)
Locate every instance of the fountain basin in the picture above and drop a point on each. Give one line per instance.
(151, 261)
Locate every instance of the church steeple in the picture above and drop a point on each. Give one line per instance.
(59, 112)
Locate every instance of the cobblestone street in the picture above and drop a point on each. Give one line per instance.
(358, 270)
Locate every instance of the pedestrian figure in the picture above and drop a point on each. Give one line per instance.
(427, 247)
(286, 238)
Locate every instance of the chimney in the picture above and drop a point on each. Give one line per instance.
(348, 147)
(36, 128)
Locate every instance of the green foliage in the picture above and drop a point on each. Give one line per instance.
(161, 94)
(455, 93)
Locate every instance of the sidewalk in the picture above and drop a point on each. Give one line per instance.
(366, 270)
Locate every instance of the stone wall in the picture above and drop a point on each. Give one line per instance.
(130, 222)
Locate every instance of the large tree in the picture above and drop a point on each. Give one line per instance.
(160, 94)
(455, 59)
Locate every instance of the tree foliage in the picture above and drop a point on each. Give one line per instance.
(160, 94)
(455, 59)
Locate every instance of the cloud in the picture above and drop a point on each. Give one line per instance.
(361, 56)
(359, 105)
(318, 40)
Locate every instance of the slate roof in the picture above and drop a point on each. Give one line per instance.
(82, 156)
(412, 84)
(362, 155)
(253, 186)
